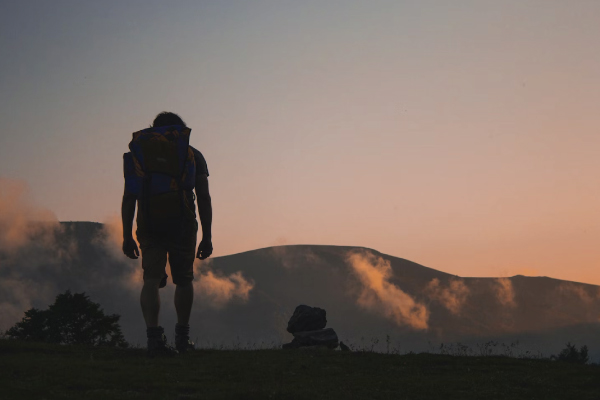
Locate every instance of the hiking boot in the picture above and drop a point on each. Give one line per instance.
(157, 343)
(182, 339)
(184, 344)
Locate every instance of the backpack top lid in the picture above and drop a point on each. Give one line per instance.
(162, 150)
(172, 131)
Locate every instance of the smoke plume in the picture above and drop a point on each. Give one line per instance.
(380, 295)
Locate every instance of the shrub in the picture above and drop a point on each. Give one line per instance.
(572, 355)
(72, 319)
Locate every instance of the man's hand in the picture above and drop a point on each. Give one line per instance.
(204, 249)
(130, 248)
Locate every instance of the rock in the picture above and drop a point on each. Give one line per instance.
(321, 337)
(344, 347)
(306, 318)
(308, 327)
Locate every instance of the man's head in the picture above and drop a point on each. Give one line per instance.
(167, 119)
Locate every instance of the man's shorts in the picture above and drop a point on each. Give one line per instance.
(181, 252)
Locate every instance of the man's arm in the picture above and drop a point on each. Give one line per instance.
(127, 213)
(205, 213)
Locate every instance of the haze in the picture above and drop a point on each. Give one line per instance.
(460, 135)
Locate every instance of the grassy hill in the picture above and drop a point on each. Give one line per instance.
(42, 371)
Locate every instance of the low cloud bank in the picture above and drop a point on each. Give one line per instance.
(21, 221)
(578, 291)
(216, 290)
(212, 289)
(110, 237)
(379, 295)
(452, 297)
(30, 239)
(290, 257)
(41, 257)
(505, 292)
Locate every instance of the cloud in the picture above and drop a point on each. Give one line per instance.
(110, 236)
(380, 295)
(216, 290)
(34, 247)
(20, 220)
(294, 256)
(452, 297)
(505, 292)
(572, 289)
(18, 295)
(41, 257)
(212, 289)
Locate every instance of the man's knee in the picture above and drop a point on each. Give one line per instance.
(182, 283)
(152, 282)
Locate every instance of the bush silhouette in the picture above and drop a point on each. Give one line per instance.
(572, 355)
(72, 319)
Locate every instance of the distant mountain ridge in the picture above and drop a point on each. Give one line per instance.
(248, 297)
(489, 307)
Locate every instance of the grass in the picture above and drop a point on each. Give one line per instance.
(43, 371)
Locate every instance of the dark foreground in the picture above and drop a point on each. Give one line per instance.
(38, 371)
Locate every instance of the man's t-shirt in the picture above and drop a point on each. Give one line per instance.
(201, 167)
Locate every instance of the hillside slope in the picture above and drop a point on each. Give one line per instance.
(247, 298)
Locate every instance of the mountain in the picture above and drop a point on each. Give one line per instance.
(372, 300)
(542, 313)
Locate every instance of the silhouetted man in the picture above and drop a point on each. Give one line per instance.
(161, 171)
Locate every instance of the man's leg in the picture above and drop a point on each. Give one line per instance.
(154, 261)
(184, 298)
(150, 301)
(181, 258)
(182, 270)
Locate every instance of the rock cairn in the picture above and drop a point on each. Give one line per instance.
(308, 327)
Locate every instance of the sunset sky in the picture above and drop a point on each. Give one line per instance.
(461, 135)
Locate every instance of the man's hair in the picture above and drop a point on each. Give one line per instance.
(166, 118)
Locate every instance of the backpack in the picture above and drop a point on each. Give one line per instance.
(164, 178)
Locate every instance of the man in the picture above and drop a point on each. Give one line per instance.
(161, 170)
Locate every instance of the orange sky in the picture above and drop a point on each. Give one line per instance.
(459, 135)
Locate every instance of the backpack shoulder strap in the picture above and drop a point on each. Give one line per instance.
(133, 174)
